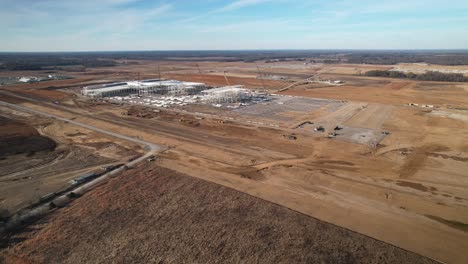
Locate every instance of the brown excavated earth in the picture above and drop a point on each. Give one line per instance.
(155, 215)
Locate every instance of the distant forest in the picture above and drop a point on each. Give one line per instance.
(395, 58)
(79, 61)
(38, 61)
(428, 76)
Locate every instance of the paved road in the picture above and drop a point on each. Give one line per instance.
(150, 148)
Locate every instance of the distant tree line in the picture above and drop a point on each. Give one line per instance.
(26, 62)
(408, 57)
(428, 76)
(40, 61)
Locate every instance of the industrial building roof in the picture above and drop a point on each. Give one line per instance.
(147, 83)
(97, 89)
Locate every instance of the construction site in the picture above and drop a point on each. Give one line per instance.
(283, 161)
(256, 107)
(164, 93)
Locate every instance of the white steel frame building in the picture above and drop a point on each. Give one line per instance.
(226, 94)
(145, 87)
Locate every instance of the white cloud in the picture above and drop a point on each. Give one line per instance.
(240, 4)
(226, 8)
(79, 17)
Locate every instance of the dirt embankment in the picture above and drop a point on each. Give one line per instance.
(157, 215)
(18, 138)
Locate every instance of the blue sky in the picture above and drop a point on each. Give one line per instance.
(93, 25)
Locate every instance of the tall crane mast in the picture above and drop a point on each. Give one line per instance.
(260, 75)
(138, 82)
(159, 71)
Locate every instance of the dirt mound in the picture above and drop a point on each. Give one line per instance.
(156, 215)
(17, 138)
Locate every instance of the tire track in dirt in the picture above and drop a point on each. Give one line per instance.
(417, 158)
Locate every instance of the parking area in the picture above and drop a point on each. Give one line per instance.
(280, 107)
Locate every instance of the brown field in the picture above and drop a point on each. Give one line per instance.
(407, 188)
(421, 68)
(17, 138)
(154, 214)
(217, 80)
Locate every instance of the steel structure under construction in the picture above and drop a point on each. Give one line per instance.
(226, 94)
(171, 87)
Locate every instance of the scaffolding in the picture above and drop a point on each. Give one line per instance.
(108, 91)
(144, 88)
(226, 94)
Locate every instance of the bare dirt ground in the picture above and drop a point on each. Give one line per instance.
(154, 214)
(409, 189)
(422, 67)
(390, 92)
(217, 80)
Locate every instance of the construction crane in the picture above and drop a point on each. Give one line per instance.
(261, 76)
(159, 71)
(225, 77)
(139, 91)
